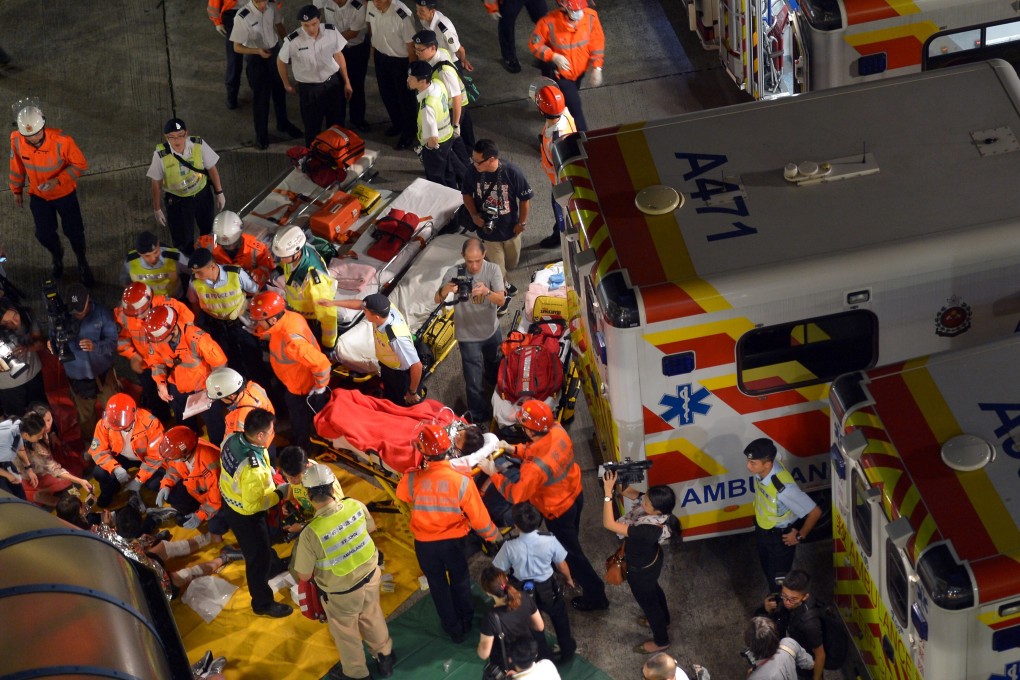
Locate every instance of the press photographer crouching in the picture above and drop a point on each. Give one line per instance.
(22, 339)
(770, 657)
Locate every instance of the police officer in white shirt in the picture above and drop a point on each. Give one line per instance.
(433, 20)
(257, 33)
(350, 18)
(315, 52)
(427, 49)
(392, 28)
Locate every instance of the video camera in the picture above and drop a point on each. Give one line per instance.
(63, 327)
(747, 655)
(627, 471)
(9, 362)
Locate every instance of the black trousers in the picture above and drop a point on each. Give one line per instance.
(644, 584)
(266, 85)
(357, 68)
(467, 137)
(440, 164)
(184, 503)
(775, 556)
(243, 350)
(300, 415)
(260, 560)
(571, 90)
(396, 383)
(506, 28)
(184, 213)
(566, 528)
(321, 100)
(235, 64)
(400, 102)
(45, 213)
(109, 486)
(446, 570)
(549, 598)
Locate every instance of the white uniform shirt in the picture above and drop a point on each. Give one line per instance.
(450, 79)
(446, 33)
(256, 29)
(209, 158)
(392, 29)
(427, 117)
(350, 17)
(312, 58)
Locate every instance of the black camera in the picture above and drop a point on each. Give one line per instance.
(627, 471)
(749, 657)
(490, 213)
(63, 327)
(464, 286)
(9, 361)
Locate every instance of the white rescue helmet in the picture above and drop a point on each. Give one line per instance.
(289, 242)
(223, 382)
(227, 228)
(30, 120)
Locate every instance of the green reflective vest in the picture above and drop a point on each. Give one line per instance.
(437, 99)
(224, 302)
(178, 179)
(163, 279)
(766, 504)
(344, 537)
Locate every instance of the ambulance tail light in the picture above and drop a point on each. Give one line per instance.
(947, 582)
(822, 14)
(619, 304)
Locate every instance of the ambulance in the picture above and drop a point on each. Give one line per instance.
(926, 514)
(719, 278)
(773, 48)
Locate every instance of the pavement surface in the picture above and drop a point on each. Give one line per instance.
(110, 74)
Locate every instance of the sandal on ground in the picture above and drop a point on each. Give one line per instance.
(643, 648)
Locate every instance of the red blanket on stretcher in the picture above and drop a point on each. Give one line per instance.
(376, 424)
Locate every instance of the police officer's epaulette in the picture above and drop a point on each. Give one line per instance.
(544, 533)
(441, 26)
(401, 13)
(163, 150)
(253, 460)
(329, 27)
(231, 268)
(293, 36)
(778, 483)
(421, 105)
(356, 4)
(195, 140)
(316, 280)
(132, 255)
(172, 253)
(244, 12)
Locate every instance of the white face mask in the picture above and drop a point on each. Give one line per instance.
(575, 14)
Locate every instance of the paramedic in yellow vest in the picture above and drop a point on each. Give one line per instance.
(183, 171)
(162, 269)
(394, 348)
(336, 550)
(306, 281)
(219, 296)
(779, 508)
(435, 126)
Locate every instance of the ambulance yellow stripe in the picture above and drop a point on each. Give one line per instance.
(701, 519)
(690, 451)
(902, 7)
(705, 294)
(731, 327)
(919, 30)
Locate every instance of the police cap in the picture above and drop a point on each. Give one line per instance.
(377, 303)
(427, 3)
(200, 258)
(307, 13)
(425, 37)
(761, 449)
(174, 125)
(420, 70)
(146, 242)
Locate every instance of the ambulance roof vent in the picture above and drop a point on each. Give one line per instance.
(967, 453)
(995, 141)
(658, 199)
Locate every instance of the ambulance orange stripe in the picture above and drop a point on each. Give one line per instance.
(920, 453)
(863, 11)
(802, 434)
(674, 467)
(710, 350)
(669, 301)
(900, 52)
(741, 403)
(997, 577)
(653, 423)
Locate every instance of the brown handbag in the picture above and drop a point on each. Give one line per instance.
(616, 566)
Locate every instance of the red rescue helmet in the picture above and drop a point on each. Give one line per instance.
(160, 322)
(432, 440)
(120, 412)
(266, 305)
(550, 101)
(137, 299)
(572, 5)
(178, 443)
(535, 415)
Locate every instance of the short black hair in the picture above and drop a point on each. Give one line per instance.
(320, 493)
(797, 580)
(487, 148)
(474, 439)
(128, 521)
(257, 421)
(522, 651)
(69, 510)
(292, 460)
(526, 517)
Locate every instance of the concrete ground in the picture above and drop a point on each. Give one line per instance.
(110, 74)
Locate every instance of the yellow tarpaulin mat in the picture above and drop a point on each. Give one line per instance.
(293, 647)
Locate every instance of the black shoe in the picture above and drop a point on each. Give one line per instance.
(277, 610)
(512, 65)
(505, 307)
(392, 131)
(511, 289)
(85, 272)
(290, 130)
(262, 145)
(583, 605)
(58, 267)
(403, 144)
(230, 554)
(201, 667)
(552, 241)
(362, 126)
(386, 662)
(231, 102)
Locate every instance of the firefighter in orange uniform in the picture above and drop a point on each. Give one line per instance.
(183, 356)
(50, 163)
(192, 481)
(551, 481)
(296, 359)
(132, 343)
(445, 507)
(558, 123)
(568, 41)
(239, 396)
(230, 245)
(126, 437)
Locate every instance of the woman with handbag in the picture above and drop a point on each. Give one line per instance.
(648, 526)
(512, 617)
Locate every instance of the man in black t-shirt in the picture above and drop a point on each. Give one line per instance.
(799, 618)
(497, 197)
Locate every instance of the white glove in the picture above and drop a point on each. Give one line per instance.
(161, 497)
(318, 390)
(506, 446)
(222, 30)
(160, 218)
(283, 490)
(122, 475)
(596, 77)
(221, 199)
(562, 63)
(134, 486)
(496, 16)
(456, 131)
(192, 521)
(487, 465)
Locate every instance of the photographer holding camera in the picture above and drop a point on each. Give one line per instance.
(497, 198)
(769, 657)
(479, 289)
(22, 337)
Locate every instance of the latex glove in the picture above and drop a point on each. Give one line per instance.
(160, 218)
(562, 63)
(134, 486)
(487, 465)
(221, 198)
(222, 30)
(318, 390)
(596, 77)
(122, 475)
(164, 493)
(506, 446)
(192, 521)
(456, 131)
(283, 490)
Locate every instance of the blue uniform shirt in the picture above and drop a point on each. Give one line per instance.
(531, 556)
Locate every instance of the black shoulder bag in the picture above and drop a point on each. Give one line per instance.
(492, 670)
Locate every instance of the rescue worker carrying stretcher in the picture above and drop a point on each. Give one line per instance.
(192, 481)
(306, 281)
(126, 437)
(230, 245)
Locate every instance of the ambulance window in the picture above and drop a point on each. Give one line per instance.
(946, 581)
(896, 582)
(862, 514)
(807, 352)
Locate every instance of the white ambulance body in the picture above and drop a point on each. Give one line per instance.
(926, 514)
(773, 48)
(702, 328)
